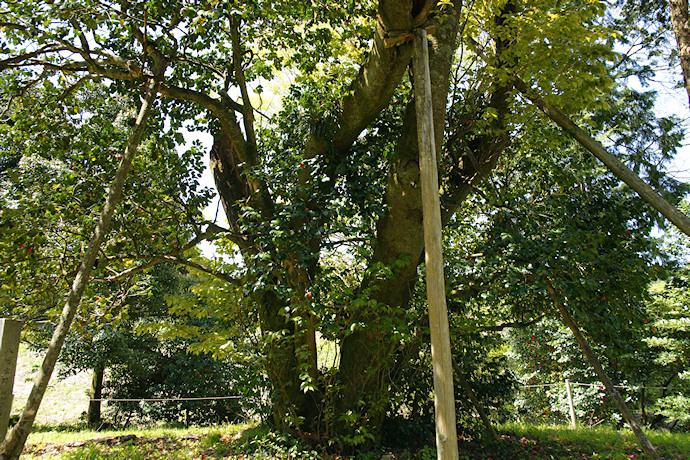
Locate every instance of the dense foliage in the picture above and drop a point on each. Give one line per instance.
(315, 161)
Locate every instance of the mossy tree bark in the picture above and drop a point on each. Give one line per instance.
(680, 18)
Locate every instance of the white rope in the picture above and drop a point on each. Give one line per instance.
(622, 387)
(165, 399)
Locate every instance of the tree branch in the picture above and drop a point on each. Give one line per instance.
(248, 113)
(154, 260)
(203, 268)
(7, 63)
(211, 229)
(500, 327)
(219, 110)
(617, 167)
(372, 89)
(159, 59)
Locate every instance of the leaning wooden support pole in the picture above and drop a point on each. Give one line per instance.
(444, 395)
(13, 445)
(475, 402)
(608, 384)
(616, 166)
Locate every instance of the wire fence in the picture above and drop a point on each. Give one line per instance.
(600, 386)
(206, 398)
(541, 385)
(571, 402)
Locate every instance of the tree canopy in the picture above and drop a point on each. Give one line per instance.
(319, 176)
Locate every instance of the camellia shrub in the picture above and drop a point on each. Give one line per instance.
(170, 373)
(546, 354)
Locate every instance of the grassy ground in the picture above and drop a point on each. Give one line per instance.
(546, 442)
(65, 399)
(248, 442)
(152, 443)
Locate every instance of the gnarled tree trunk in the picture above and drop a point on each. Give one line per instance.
(290, 347)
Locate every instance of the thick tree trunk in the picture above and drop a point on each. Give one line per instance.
(370, 351)
(13, 445)
(608, 384)
(680, 18)
(290, 339)
(93, 416)
(368, 354)
(288, 353)
(369, 93)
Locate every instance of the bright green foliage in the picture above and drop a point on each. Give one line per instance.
(667, 337)
(589, 243)
(562, 48)
(66, 154)
(210, 312)
(321, 189)
(157, 353)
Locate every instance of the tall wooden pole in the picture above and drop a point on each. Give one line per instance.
(617, 167)
(10, 331)
(444, 395)
(642, 439)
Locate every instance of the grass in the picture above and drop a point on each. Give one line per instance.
(596, 443)
(43, 435)
(65, 399)
(148, 443)
(518, 441)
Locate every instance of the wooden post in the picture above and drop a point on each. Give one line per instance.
(646, 445)
(475, 402)
(617, 167)
(569, 390)
(9, 349)
(444, 395)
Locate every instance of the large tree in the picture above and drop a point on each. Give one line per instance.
(333, 170)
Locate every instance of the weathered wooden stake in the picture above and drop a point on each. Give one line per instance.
(10, 331)
(569, 390)
(642, 439)
(617, 167)
(475, 402)
(444, 395)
